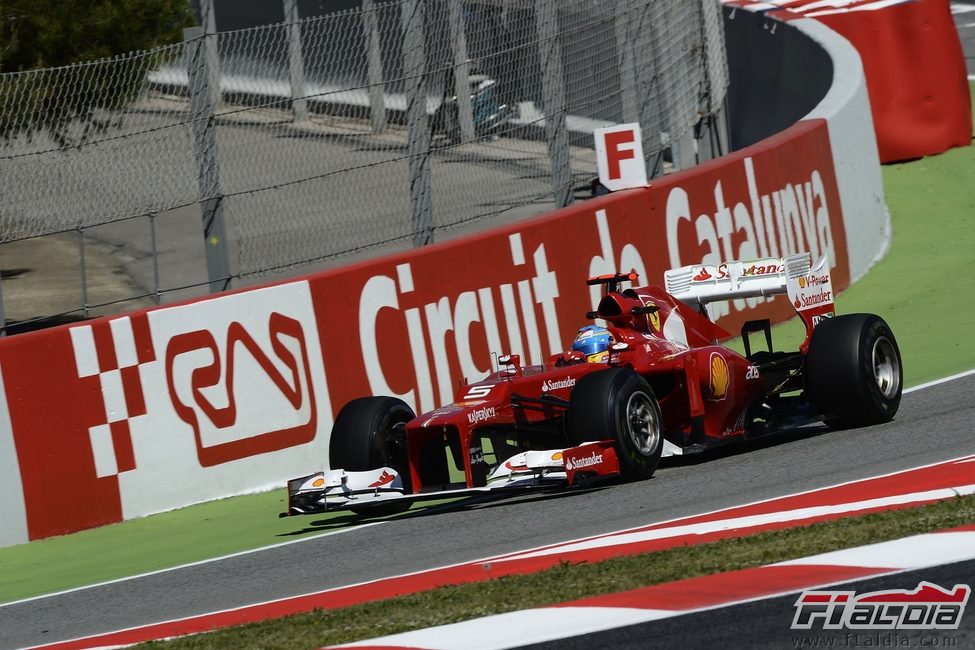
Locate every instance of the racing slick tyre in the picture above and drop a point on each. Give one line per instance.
(853, 371)
(618, 404)
(364, 438)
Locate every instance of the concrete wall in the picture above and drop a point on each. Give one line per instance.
(777, 74)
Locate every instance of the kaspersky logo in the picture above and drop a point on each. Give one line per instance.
(928, 607)
(481, 415)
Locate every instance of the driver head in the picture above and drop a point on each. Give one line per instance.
(593, 341)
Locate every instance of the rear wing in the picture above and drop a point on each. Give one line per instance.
(705, 283)
(809, 287)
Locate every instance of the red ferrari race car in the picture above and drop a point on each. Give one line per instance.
(652, 382)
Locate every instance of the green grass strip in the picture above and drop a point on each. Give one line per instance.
(451, 604)
(166, 540)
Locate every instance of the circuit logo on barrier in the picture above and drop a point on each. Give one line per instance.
(927, 607)
(240, 399)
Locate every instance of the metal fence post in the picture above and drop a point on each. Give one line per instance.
(374, 67)
(462, 70)
(625, 44)
(683, 150)
(205, 141)
(636, 79)
(681, 143)
(414, 63)
(3, 316)
(84, 271)
(209, 20)
(553, 99)
(714, 135)
(296, 62)
(156, 293)
(646, 81)
(721, 128)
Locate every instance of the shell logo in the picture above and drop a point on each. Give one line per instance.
(802, 282)
(319, 482)
(654, 317)
(557, 455)
(720, 377)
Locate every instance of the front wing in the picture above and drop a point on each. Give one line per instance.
(337, 489)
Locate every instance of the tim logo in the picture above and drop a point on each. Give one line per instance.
(240, 397)
(928, 607)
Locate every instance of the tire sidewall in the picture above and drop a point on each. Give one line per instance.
(598, 411)
(839, 374)
(876, 330)
(639, 463)
(358, 440)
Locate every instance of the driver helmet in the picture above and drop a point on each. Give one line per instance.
(593, 341)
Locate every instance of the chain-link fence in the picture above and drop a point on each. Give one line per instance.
(394, 122)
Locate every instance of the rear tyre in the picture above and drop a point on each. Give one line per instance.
(854, 375)
(618, 404)
(365, 437)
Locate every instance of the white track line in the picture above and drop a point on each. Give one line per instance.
(916, 552)
(747, 522)
(943, 380)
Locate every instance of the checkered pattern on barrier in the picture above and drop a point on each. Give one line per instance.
(114, 351)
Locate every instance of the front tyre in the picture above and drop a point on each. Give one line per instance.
(368, 434)
(618, 404)
(854, 375)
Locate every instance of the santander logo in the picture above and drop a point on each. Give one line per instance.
(815, 299)
(584, 462)
(702, 276)
(558, 384)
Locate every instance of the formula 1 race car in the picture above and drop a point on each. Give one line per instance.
(662, 386)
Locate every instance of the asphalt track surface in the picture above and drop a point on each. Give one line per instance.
(765, 623)
(933, 425)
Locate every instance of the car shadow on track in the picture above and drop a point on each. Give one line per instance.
(479, 502)
(749, 445)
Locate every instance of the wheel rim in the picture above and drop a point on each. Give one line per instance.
(886, 367)
(643, 423)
